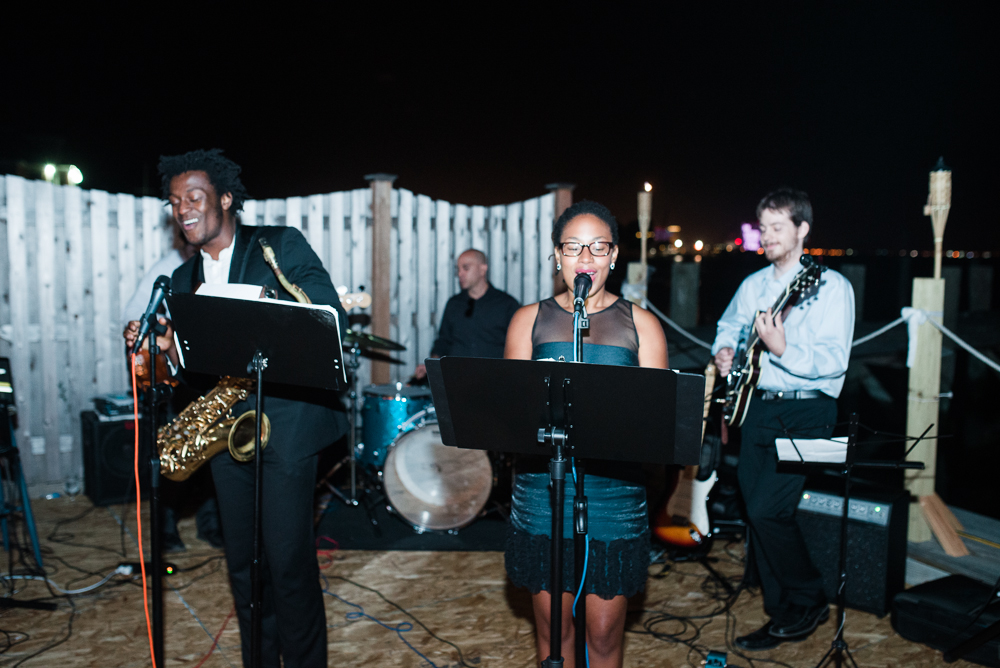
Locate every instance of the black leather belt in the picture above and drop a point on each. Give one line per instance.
(768, 395)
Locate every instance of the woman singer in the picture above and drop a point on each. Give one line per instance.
(586, 241)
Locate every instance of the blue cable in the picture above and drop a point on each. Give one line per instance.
(586, 559)
(399, 628)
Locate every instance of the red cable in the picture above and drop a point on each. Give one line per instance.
(138, 515)
(217, 636)
(327, 553)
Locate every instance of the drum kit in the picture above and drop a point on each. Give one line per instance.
(400, 458)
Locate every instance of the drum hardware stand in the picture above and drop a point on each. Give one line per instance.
(9, 452)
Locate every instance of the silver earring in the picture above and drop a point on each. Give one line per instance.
(612, 266)
(559, 267)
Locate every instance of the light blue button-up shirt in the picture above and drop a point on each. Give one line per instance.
(818, 331)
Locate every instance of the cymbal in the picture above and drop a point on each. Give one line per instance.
(370, 341)
(376, 356)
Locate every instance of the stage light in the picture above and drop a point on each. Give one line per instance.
(74, 176)
(648, 186)
(49, 172)
(678, 243)
(698, 245)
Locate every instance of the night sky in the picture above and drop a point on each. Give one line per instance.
(487, 103)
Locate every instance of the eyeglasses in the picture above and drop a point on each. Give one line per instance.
(470, 307)
(597, 248)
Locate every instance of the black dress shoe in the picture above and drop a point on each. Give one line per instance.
(759, 640)
(800, 622)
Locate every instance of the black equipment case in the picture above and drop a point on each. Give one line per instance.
(940, 614)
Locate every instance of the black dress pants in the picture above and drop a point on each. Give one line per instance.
(294, 617)
(787, 574)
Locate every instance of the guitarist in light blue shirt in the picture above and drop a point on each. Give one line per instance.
(804, 354)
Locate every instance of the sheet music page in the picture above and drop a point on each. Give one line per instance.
(826, 450)
(253, 293)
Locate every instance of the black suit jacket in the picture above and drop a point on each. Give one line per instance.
(303, 420)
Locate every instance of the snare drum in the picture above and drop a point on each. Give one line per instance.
(435, 487)
(386, 409)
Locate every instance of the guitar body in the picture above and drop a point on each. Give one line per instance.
(745, 374)
(683, 520)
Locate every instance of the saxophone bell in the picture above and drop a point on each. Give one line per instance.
(243, 436)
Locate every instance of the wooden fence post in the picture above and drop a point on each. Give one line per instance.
(564, 199)
(564, 196)
(381, 265)
(922, 400)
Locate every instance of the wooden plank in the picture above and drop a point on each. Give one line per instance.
(45, 222)
(4, 275)
(937, 514)
(442, 260)
(530, 252)
(20, 359)
(462, 234)
(100, 272)
(381, 289)
(497, 253)
(273, 209)
(339, 262)
(315, 232)
(395, 372)
(152, 250)
(249, 213)
(479, 234)
(359, 256)
(293, 213)
(515, 266)
(407, 283)
(127, 279)
(81, 357)
(424, 276)
(922, 400)
(546, 265)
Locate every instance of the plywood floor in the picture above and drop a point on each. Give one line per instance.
(461, 597)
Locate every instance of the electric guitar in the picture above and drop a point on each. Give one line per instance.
(745, 374)
(683, 520)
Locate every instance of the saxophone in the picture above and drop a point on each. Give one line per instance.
(207, 426)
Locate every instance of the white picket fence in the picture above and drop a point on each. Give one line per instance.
(70, 259)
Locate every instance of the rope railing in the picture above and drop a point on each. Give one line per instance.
(913, 317)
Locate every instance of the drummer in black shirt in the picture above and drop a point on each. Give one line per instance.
(475, 320)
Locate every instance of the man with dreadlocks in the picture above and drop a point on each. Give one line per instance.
(206, 194)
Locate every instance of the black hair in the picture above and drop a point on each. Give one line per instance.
(223, 173)
(585, 207)
(795, 202)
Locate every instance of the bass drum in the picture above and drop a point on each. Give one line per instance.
(435, 487)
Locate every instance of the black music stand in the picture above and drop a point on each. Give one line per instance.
(298, 345)
(840, 652)
(567, 409)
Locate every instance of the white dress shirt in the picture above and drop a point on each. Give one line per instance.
(217, 271)
(818, 331)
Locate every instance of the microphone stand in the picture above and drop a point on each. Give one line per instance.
(580, 323)
(155, 508)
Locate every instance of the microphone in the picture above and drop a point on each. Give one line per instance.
(581, 288)
(160, 290)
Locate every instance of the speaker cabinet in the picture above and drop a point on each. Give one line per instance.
(876, 545)
(108, 460)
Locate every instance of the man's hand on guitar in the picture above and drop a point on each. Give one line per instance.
(724, 360)
(771, 331)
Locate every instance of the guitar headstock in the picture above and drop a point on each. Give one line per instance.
(351, 300)
(809, 276)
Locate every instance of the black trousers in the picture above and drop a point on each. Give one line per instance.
(294, 617)
(787, 574)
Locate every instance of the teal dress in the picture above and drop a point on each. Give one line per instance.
(618, 521)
